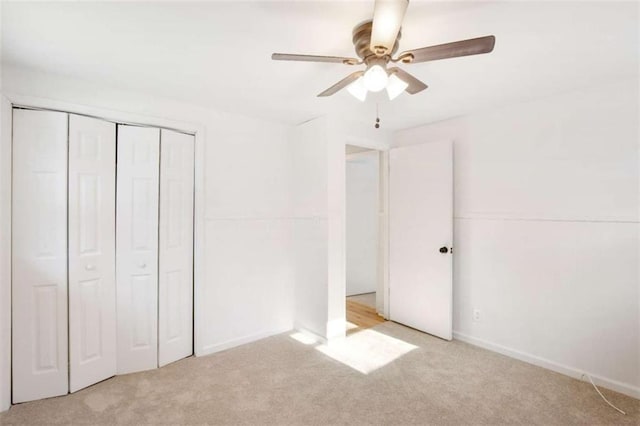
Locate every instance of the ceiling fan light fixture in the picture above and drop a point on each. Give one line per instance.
(375, 42)
(395, 86)
(358, 90)
(375, 78)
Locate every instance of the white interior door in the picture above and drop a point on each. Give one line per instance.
(420, 230)
(175, 332)
(137, 248)
(39, 255)
(92, 263)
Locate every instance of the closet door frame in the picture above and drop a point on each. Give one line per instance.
(12, 100)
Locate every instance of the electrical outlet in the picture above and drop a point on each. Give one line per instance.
(476, 315)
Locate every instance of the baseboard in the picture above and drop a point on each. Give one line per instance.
(217, 347)
(624, 388)
(313, 334)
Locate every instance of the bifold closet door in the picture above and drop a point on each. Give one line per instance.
(137, 248)
(39, 255)
(175, 331)
(92, 263)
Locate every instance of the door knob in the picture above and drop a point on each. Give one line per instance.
(444, 250)
(143, 265)
(89, 267)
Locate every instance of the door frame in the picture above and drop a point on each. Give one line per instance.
(382, 285)
(7, 102)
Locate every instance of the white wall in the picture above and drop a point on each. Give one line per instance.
(248, 253)
(310, 230)
(5, 253)
(546, 230)
(243, 249)
(5, 244)
(362, 200)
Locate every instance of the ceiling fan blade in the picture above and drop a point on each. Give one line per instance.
(474, 46)
(414, 85)
(342, 84)
(314, 58)
(387, 20)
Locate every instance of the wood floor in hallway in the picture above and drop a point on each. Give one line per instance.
(361, 316)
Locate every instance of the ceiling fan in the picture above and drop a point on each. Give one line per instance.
(375, 42)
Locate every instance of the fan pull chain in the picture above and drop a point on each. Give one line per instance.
(377, 125)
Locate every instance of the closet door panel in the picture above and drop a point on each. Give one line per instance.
(39, 255)
(137, 248)
(176, 247)
(92, 287)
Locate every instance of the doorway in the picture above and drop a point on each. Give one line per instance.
(412, 197)
(363, 255)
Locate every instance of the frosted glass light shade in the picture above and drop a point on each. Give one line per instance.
(358, 90)
(395, 86)
(375, 78)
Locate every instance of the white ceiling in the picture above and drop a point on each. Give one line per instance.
(217, 54)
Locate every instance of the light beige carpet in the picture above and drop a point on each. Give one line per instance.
(411, 378)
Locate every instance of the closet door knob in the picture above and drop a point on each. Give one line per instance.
(143, 265)
(89, 267)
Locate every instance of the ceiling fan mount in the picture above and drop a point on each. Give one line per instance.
(376, 41)
(362, 43)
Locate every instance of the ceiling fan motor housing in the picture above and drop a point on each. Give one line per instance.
(362, 41)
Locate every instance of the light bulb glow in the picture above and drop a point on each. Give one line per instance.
(395, 87)
(375, 78)
(358, 90)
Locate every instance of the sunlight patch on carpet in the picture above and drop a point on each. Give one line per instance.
(351, 326)
(367, 350)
